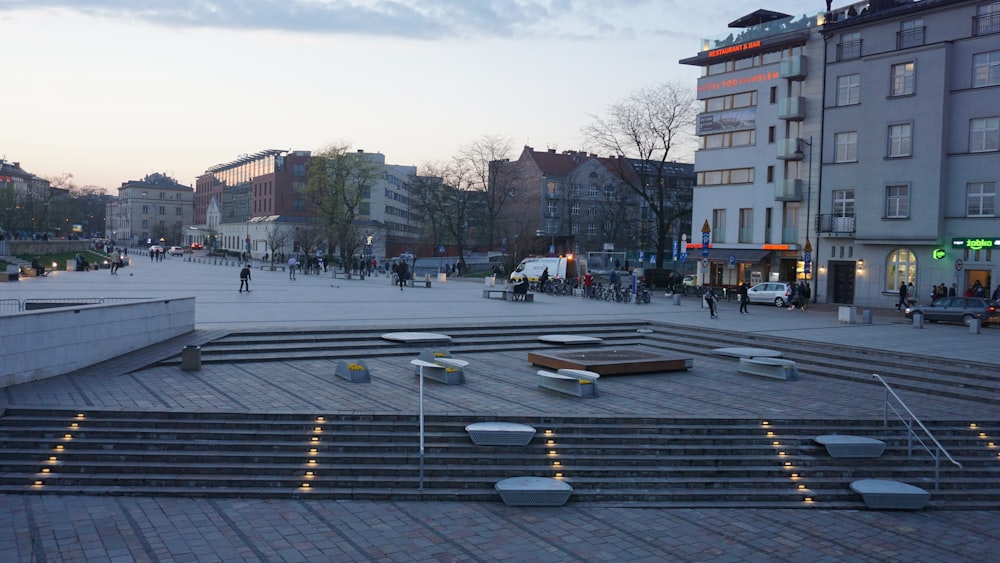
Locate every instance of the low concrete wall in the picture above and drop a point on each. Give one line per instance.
(50, 342)
(18, 247)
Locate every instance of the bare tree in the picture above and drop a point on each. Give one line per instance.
(339, 182)
(481, 171)
(645, 131)
(275, 239)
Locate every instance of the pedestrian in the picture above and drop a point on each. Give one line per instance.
(901, 305)
(711, 299)
(402, 274)
(793, 299)
(953, 290)
(245, 278)
(744, 299)
(806, 292)
(542, 279)
(996, 294)
(291, 267)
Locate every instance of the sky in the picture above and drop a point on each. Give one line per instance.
(109, 91)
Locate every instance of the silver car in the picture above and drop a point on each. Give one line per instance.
(777, 293)
(959, 310)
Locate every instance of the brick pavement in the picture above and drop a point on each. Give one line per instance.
(73, 528)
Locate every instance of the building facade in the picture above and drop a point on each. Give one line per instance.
(154, 210)
(855, 149)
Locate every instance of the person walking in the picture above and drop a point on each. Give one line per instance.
(292, 263)
(245, 278)
(402, 274)
(901, 305)
(744, 299)
(711, 299)
(804, 293)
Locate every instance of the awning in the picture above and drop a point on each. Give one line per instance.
(742, 255)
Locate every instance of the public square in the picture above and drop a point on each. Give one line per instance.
(123, 528)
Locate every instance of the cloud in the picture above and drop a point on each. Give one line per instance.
(416, 19)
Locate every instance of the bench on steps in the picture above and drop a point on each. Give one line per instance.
(576, 382)
(500, 434)
(883, 494)
(533, 491)
(778, 368)
(838, 445)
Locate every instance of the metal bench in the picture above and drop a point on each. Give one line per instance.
(576, 382)
(778, 368)
(838, 445)
(533, 491)
(883, 494)
(500, 434)
(489, 292)
(446, 370)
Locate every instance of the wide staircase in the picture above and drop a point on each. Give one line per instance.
(641, 462)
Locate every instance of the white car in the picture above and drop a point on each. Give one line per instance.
(176, 251)
(777, 293)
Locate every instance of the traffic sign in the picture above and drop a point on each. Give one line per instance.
(684, 256)
(704, 263)
(704, 245)
(959, 264)
(732, 261)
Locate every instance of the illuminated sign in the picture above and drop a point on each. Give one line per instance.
(732, 120)
(733, 82)
(939, 254)
(776, 246)
(734, 49)
(974, 243)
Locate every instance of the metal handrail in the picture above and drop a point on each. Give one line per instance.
(911, 434)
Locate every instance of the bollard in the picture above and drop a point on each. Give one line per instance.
(918, 320)
(974, 326)
(191, 358)
(677, 299)
(866, 317)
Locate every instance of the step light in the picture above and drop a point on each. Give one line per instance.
(38, 483)
(548, 432)
(68, 436)
(313, 450)
(788, 464)
(309, 475)
(46, 470)
(311, 462)
(795, 475)
(556, 463)
(320, 418)
(305, 485)
(769, 433)
(81, 415)
(982, 434)
(53, 458)
(59, 447)
(551, 442)
(315, 439)
(808, 500)
(552, 452)
(973, 425)
(74, 425)
(764, 423)
(318, 429)
(559, 476)
(775, 443)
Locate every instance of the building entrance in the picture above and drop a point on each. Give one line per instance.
(841, 282)
(984, 277)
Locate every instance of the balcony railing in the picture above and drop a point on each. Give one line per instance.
(910, 38)
(788, 149)
(793, 68)
(986, 24)
(849, 50)
(788, 190)
(835, 224)
(792, 109)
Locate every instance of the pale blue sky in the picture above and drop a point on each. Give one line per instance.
(112, 90)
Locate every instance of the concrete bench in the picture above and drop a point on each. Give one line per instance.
(778, 368)
(838, 445)
(353, 371)
(576, 382)
(489, 292)
(883, 494)
(445, 370)
(268, 267)
(500, 434)
(533, 491)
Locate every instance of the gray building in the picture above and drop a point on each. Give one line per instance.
(856, 149)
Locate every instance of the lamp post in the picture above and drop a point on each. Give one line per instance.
(807, 249)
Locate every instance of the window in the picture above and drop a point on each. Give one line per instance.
(982, 199)
(551, 209)
(734, 139)
(846, 146)
(984, 134)
(746, 224)
(771, 133)
(592, 211)
(901, 267)
(902, 79)
(849, 90)
(719, 225)
(724, 177)
(843, 203)
(574, 209)
(900, 140)
(592, 191)
(773, 95)
(609, 192)
(552, 189)
(849, 47)
(911, 34)
(592, 228)
(986, 69)
(897, 201)
(770, 173)
(574, 229)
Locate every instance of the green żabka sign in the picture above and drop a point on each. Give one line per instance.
(975, 243)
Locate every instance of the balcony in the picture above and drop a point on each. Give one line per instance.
(788, 149)
(910, 38)
(986, 24)
(849, 50)
(792, 109)
(842, 224)
(788, 190)
(793, 68)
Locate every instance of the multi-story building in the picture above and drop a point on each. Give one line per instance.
(243, 202)
(758, 159)
(912, 130)
(579, 203)
(154, 210)
(24, 203)
(854, 148)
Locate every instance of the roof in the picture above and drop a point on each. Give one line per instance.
(757, 17)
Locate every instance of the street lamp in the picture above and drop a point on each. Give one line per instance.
(808, 246)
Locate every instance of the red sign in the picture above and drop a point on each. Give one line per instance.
(734, 49)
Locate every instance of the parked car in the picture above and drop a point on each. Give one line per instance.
(691, 281)
(176, 251)
(777, 293)
(959, 310)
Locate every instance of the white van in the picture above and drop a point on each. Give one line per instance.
(561, 267)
